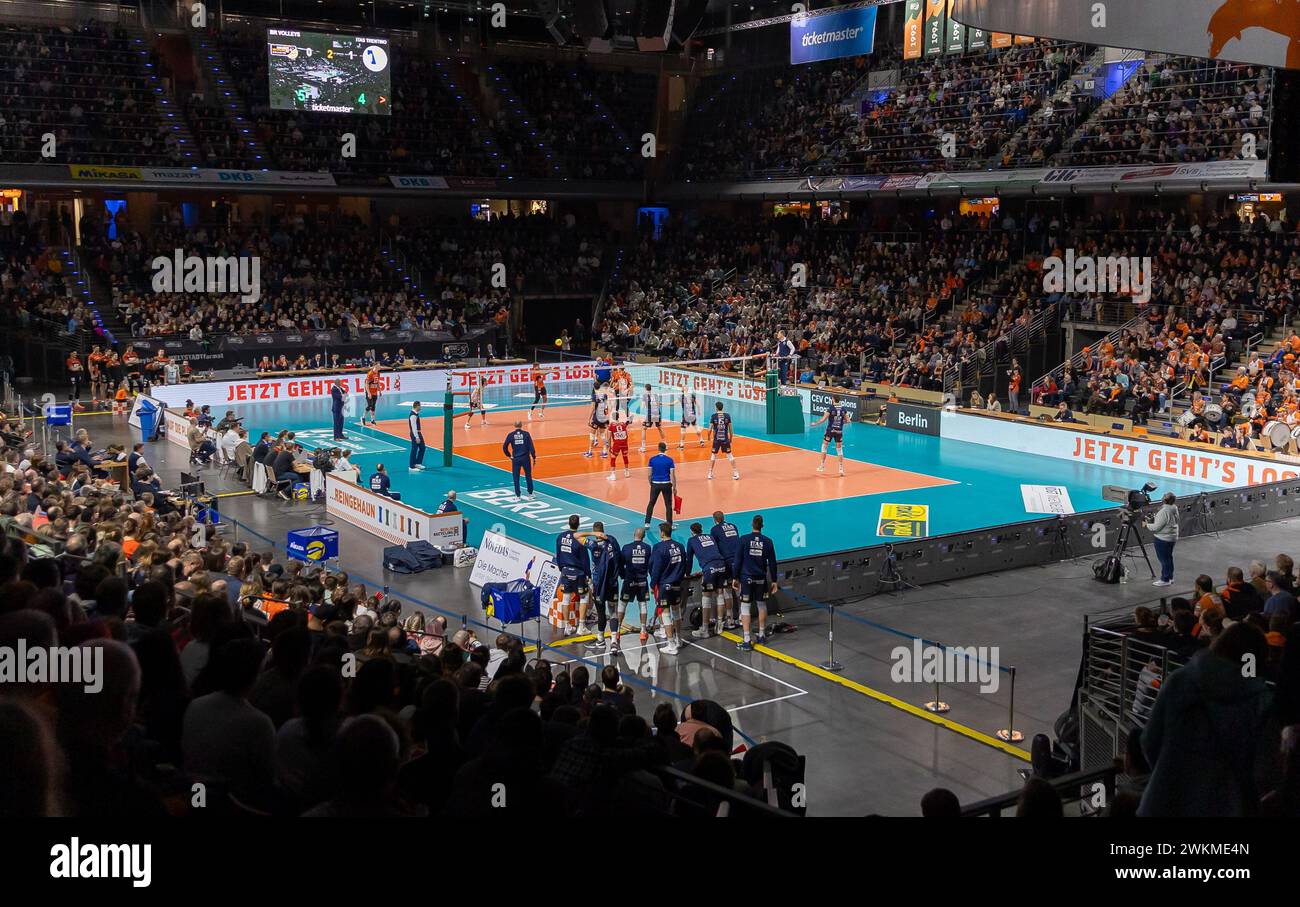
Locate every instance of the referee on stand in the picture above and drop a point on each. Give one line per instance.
(663, 481)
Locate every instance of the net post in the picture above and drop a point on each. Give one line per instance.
(447, 426)
(772, 391)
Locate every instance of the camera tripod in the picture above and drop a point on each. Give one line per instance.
(1129, 529)
(889, 574)
(1061, 547)
(1203, 519)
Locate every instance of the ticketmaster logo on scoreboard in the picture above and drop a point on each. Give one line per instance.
(550, 514)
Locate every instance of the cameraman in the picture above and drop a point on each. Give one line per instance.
(1164, 533)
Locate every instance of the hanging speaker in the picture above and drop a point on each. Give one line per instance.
(653, 25)
(590, 19)
(687, 18)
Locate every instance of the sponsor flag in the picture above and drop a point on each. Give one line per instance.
(912, 29)
(934, 27)
(956, 33)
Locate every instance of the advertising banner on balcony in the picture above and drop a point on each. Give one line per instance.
(847, 33)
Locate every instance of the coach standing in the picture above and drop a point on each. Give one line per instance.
(519, 448)
(417, 437)
(336, 405)
(663, 481)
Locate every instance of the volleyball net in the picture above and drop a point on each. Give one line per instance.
(736, 379)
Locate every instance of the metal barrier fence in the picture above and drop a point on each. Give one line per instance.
(1072, 788)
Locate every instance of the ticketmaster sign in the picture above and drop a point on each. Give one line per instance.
(848, 33)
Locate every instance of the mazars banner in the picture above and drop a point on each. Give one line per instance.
(847, 33)
(391, 520)
(502, 559)
(1245, 31)
(1211, 466)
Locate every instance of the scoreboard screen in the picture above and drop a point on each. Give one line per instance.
(328, 73)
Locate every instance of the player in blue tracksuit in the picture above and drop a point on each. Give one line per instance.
(605, 553)
(518, 446)
(754, 569)
(835, 417)
(727, 537)
(574, 561)
(714, 575)
(667, 573)
(634, 569)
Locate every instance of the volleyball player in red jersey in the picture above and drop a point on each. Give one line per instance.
(618, 444)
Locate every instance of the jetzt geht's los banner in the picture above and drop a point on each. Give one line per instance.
(1245, 31)
(847, 33)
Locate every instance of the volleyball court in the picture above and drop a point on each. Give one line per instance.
(572, 456)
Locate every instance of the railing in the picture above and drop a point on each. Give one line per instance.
(986, 360)
(1071, 788)
(1078, 358)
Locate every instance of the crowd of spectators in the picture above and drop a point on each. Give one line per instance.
(91, 86)
(287, 689)
(1179, 109)
(1220, 281)
(314, 273)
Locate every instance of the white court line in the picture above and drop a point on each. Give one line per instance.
(750, 705)
(741, 664)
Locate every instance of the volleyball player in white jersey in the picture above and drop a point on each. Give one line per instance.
(599, 422)
(623, 395)
(651, 415)
(690, 417)
(475, 405)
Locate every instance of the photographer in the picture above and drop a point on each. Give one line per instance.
(1164, 533)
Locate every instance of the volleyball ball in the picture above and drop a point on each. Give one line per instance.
(559, 343)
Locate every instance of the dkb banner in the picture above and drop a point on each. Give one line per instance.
(1245, 31)
(848, 33)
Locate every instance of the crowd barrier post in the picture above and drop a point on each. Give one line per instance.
(1009, 734)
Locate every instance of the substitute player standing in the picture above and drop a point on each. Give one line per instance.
(727, 537)
(618, 445)
(755, 572)
(539, 395)
(574, 561)
(835, 418)
(374, 384)
(634, 568)
(651, 416)
(605, 555)
(667, 571)
(690, 417)
(475, 405)
(599, 422)
(714, 577)
(720, 431)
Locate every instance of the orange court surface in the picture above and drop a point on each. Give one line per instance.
(772, 474)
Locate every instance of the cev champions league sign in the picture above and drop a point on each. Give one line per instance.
(826, 36)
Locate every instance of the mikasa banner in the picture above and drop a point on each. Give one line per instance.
(1244, 31)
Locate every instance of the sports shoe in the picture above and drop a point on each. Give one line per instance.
(730, 624)
(841, 473)
(700, 634)
(643, 637)
(1163, 582)
(821, 468)
(735, 475)
(626, 472)
(641, 449)
(701, 442)
(745, 646)
(541, 415)
(710, 475)
(610, 477)
(593, 644)
(466, 426)
(661, 633)
(587, 455)
(530, 417)
(672, 648)
(681, 446)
